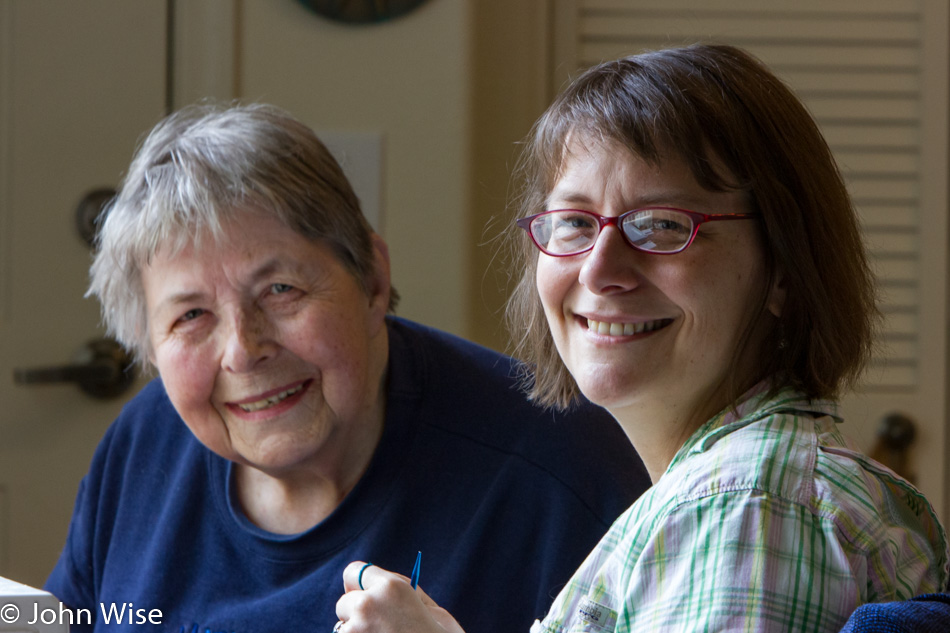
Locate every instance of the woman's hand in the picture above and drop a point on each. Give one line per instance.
(387, 603)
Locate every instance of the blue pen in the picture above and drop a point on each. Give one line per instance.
(414, 581)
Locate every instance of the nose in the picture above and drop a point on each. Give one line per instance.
(611, 266)
(248, 342)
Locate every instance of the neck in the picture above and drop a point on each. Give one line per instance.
(658, 427)
(289, 504)
(293, 500)
(656, 435)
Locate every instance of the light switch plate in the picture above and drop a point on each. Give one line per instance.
(360, 154)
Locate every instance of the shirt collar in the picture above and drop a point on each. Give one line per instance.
(758, 402)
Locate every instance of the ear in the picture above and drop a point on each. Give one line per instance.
(379, 284)
(776, 299)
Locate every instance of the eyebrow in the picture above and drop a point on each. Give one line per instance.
(570, 198)
(172, 302)
(264, 270)
(660, 197)
(179, 298)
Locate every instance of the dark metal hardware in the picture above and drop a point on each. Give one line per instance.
(894, 437)
(88, 213)
(103, 369)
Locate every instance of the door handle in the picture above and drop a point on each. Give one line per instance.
(103, 369)
(894, 437)
(89, 213)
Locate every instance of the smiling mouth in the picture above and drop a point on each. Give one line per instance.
(266, 403)
(626, 329)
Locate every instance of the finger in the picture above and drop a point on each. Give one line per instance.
(362, 611)
(371, 575)
(347, 606)
(387, 603)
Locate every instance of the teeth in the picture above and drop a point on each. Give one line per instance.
(624, 329)
(269, 402)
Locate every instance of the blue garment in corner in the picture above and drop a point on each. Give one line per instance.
(929, 613)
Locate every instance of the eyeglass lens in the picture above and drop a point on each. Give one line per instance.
(655, 230)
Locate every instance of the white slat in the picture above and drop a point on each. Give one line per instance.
(852, 134)
(900, 324)
(878, 216)
(600, 25)
(895, 270)
(882, 243)
(896, 349)
(856, 109)
(781, 57)
(808, 82)
(873, 163)
(891, 376)
(897, 297)
(817, 8)
(866, 191)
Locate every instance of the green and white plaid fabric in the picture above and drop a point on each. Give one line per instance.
(764, 521)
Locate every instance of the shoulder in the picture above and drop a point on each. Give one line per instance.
(765, 443)
(788, 468)
(146, 444)
(436, 356)
(145, 462)
(470, 389)
(148, 421)
(472, 394)
(466, 378)
(882, 517)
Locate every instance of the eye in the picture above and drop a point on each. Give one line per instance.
(279, 295)
(570, 231)
(191, 315)
(278, 288)
(667, 225)
(575, 221)
(654, 221)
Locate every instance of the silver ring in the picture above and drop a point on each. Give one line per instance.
(338, 626)
(360, 579)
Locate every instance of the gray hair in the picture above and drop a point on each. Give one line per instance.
(201, 166)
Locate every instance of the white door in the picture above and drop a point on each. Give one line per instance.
(875, 76)
(79, 83)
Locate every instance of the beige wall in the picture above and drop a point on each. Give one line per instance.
(406, 79)
(450, 87)
(510, 79)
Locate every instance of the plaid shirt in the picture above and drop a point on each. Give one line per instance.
(764, 521)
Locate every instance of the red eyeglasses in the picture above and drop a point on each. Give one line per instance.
(660, 230)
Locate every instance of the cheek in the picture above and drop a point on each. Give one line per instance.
(187, 376)
(553, 280)
(729, 303)
(338, 349)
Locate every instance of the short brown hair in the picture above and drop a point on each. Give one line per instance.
(715, 105)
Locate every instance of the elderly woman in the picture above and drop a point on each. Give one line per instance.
(295, 426)
(693, 264)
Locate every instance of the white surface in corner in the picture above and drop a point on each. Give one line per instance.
(360, 154)
(19, 603)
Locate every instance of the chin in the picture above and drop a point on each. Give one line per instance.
(606, 393)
